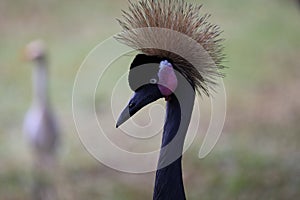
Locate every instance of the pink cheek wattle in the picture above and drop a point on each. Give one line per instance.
(167, 80)
(165, 91)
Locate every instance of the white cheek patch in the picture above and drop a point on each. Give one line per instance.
(167, 78)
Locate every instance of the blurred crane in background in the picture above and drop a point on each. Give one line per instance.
(40, 126)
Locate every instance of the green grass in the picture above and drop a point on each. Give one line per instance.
(257, 156)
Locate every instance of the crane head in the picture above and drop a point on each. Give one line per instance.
(151, 78)
(35, 50)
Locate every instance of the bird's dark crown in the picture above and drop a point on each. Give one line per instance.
(149, 68)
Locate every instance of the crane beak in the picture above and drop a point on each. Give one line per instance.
(142, 97)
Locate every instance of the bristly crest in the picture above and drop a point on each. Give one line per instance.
(200, 64)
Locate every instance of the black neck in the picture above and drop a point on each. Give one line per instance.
(168, 182)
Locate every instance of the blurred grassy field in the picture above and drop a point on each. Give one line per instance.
(258, 155)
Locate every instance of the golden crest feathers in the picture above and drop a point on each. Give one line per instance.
(174, 29)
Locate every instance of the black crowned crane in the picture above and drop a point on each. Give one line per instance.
(168, 62)
(40, 126)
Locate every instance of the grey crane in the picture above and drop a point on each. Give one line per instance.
(40, 126)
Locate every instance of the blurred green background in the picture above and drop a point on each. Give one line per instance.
(258, 154)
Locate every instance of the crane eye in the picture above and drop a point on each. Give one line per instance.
(153, 81)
